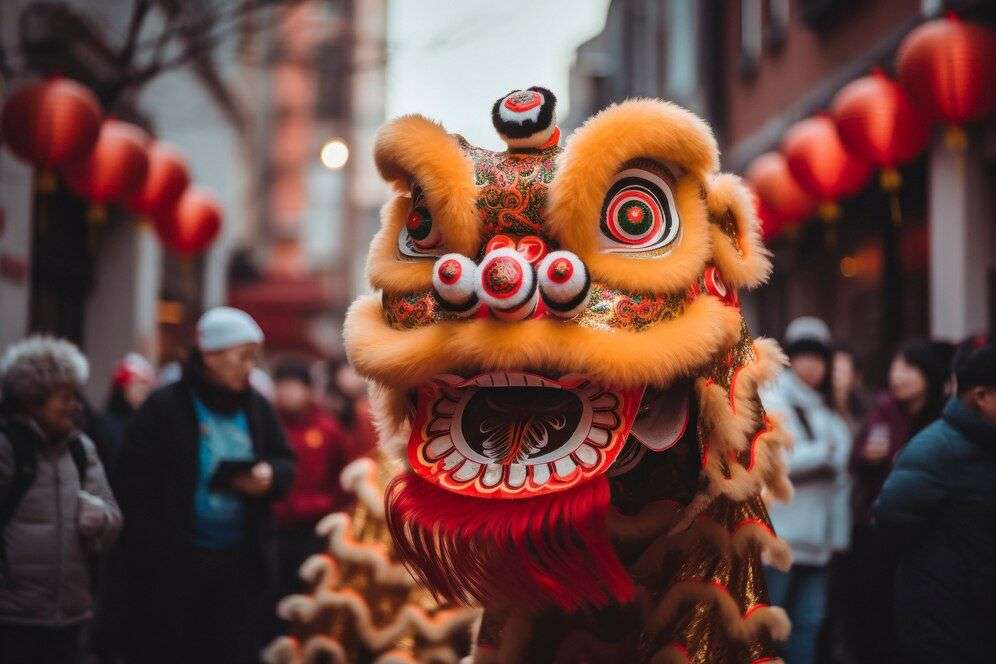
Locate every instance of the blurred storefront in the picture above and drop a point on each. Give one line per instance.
(755, 69)
(314, 191)
(93, 272)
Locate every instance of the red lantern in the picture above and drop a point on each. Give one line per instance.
(117, 166)
(781, 198)
(51, 123)
(192, 224)
(821, 165)
(166, 181)
(770, 226)
(949, 67)
(877, 121)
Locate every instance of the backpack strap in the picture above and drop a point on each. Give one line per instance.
(25, 470)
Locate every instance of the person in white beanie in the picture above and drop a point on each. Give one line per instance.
(816, 524)
(203, 460)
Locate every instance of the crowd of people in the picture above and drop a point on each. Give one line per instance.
(166, 528)
(893, 521)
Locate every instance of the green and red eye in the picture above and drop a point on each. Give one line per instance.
(639, 212)
(420, 236)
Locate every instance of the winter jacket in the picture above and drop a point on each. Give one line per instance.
(59, 524)
(817, 521)
(938, 508)
(321, 450)
(156, 479)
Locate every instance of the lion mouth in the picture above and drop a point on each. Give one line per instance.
(511, 434)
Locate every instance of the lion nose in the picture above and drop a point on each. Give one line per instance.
(564, 282)
(506, 283)
(454, 278)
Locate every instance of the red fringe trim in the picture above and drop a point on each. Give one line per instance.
(533, 551)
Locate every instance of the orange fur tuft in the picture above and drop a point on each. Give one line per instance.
(622, 358)
(744, 261)
(386, 269)
(413, 147)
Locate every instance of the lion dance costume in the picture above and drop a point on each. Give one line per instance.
(558, 343)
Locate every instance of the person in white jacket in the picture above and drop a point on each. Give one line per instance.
(816, 524)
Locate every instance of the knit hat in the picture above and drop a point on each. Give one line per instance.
(225, 327)
(807, 334)
(975, 363)
(133, 367)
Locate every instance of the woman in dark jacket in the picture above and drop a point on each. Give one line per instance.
(194, 541)
(938, 509)
(918, 376)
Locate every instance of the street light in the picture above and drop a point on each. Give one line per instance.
(335, 154)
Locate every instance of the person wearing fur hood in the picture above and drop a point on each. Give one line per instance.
(57, 511)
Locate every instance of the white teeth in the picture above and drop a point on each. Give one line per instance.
(438, 448)
(564, 467)
(541, 473)
(606, 401)
(451, 462)
(492, 475)
(605, 419)
(509, 379)
(598, 437)
(587, 455)
(516, 475)
(467, 471)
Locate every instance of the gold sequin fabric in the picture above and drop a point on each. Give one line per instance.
(512, 189)
(608, 308)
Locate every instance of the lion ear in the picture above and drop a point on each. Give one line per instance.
(734, 228)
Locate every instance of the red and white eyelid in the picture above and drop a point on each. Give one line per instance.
(454, 280)
(563, 280)
(506, 282)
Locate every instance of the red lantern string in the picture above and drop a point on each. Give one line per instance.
(822, 166)
(783, 202)
(51, 123)
(949, 68)
(193, 223)
(877, 121)
(166, 181)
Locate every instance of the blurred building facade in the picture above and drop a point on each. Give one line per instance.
(265, 86)
(755, 67)
(122, 292)
(317, 90)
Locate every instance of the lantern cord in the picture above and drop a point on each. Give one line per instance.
(891, 181)
(894, 209)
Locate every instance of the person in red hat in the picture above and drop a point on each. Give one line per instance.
(133, 381)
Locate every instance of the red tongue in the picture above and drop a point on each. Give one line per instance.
(534, 551)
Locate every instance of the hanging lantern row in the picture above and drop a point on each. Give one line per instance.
(58, 125)
(946, 69)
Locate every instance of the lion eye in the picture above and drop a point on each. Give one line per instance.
(639, 213)
(420, 236)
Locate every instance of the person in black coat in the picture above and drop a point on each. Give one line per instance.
(195, 539)
(938, 509)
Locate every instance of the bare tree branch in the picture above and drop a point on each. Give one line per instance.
(138, 15)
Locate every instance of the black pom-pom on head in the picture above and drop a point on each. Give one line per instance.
(525, 118)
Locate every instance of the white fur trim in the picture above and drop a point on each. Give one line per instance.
(561, 293)
(461, 291)
(369, 555)
(513, 305)
(360, 479)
